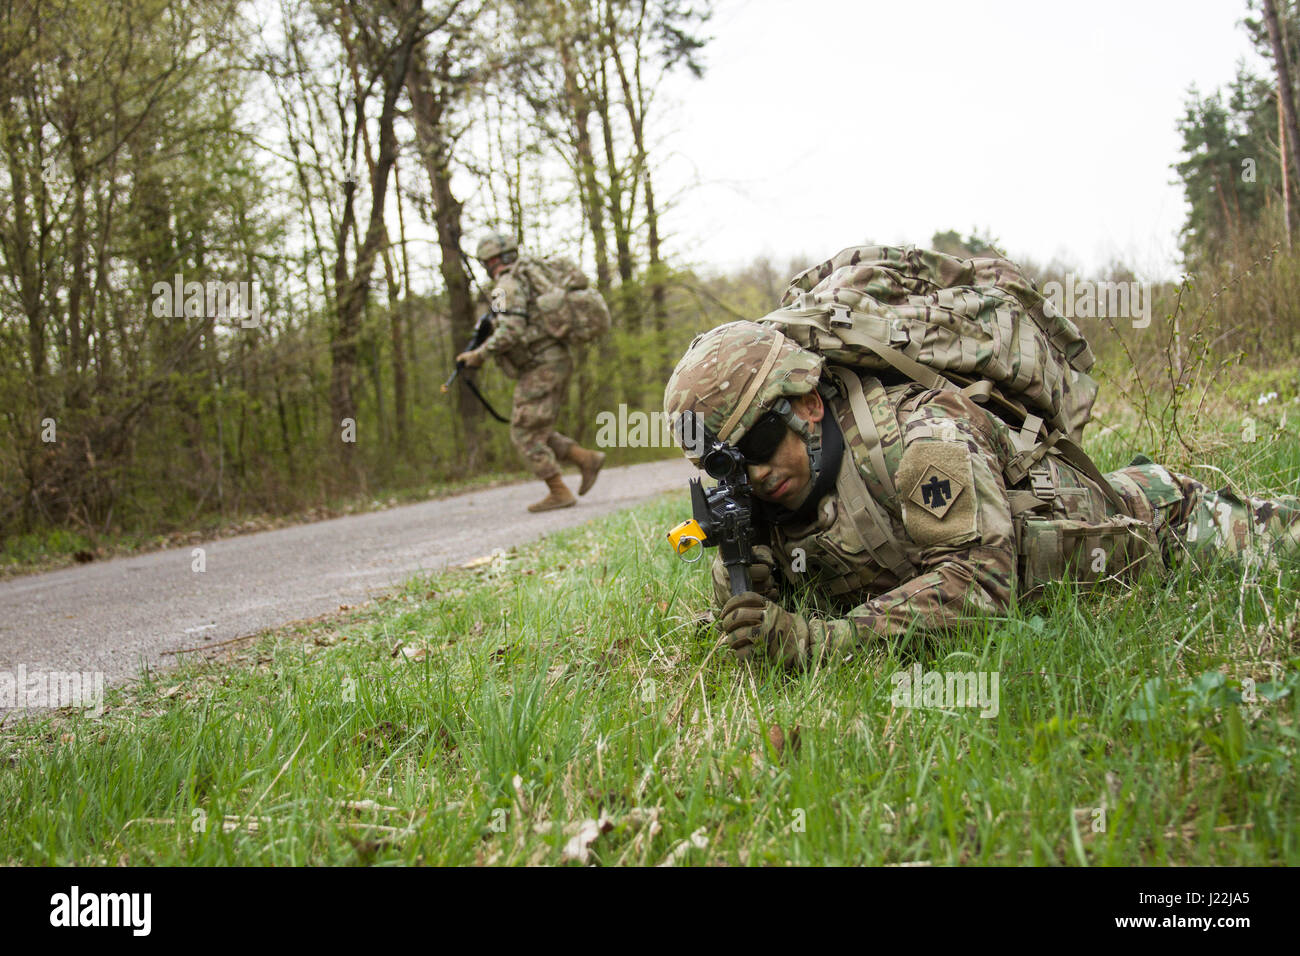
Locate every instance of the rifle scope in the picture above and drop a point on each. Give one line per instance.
(721, 461)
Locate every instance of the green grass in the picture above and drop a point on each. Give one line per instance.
(571, 683)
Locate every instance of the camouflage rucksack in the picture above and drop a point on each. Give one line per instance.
(977, 325)
(569, 308)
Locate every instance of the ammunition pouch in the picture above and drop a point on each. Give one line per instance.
(1053, 549)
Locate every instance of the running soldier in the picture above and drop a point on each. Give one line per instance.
(542, 366)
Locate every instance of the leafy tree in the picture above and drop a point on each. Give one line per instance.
(1231, 174)
(952, 243)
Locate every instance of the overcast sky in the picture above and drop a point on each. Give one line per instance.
(826, 123)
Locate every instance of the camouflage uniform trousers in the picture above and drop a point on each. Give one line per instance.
(539, 394)
(1192, 522)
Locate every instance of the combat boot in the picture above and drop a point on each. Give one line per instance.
(560, 496)
(589, 463)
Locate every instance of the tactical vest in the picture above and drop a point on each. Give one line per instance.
(1064, 524)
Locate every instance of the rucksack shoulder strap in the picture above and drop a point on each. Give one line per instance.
(1077, 457)
(1033, 451)
(870, 521)
(864, 512)
(866, 423)
(887, 353)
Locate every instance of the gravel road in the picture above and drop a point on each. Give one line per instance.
(116, 616)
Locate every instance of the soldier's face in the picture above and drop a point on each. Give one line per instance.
(495, 266)
(786, 478)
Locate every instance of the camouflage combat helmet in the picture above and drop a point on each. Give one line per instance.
(730, 376)
(495, 244)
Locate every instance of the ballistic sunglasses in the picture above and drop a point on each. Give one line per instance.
(760, 443)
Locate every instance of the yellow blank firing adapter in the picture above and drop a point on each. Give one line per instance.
(686, 536)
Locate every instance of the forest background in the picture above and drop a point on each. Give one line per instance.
(341, 161)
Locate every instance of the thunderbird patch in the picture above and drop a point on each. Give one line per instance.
(938, 484)
(936, 491)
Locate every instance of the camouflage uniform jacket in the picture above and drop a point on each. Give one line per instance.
(519, 342)
(935, 541)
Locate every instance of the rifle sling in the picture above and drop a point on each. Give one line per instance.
(486, 404)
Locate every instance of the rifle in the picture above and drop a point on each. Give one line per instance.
(482, 332)
(722, 516)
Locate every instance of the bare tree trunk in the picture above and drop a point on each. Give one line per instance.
(634, 103)
(429, 115)
(1286, 179)
(405, 364)
(1283, 82)
(658, 294)
(395, 309)
(351, 290)
(579, 108)
(620, 217)
(74, 393)
(395, 328)
(25, 252)
(627, 308)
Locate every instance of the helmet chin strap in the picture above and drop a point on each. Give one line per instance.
(824, 445)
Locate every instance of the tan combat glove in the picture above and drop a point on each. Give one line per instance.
(755, 625)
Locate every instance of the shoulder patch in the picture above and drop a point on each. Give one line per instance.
(936, 490)
(937, 481)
